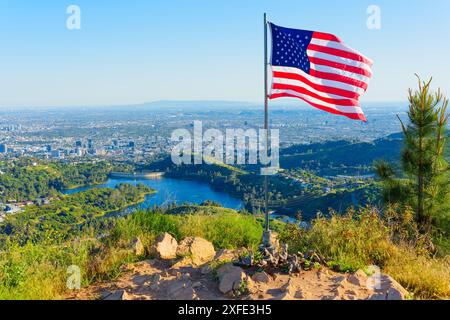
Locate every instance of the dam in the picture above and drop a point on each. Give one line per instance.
(136, 175)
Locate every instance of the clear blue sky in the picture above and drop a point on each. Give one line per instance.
(142, 50)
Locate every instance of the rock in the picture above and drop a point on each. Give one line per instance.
(118, 295)
(294, 265)
(206, 269)
(289, 288)
(154, 284)
(261, 277)
(252, 287)
(359, 278)
(283, 253)
(181, 290)
(339, 280)
(137, 247)
(198, 249)
(166, 247)
(174, 273)
(284, 296)
(197, 284)
(247, 260)
(316, 258)
(393, 289)
(389, 289)
(184, 262)
(274, 240)
(300, 294)
(225, 255)
(339, 292)
(186, 276)
(230, 278)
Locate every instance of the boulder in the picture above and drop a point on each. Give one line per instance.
(260, 277)
(137, 247)
(393, 289)
(230, 278)
(389, 289)
(198, 249)
(225, 255)
(359, 278)
(166, 247)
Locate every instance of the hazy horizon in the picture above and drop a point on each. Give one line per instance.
(214, 104)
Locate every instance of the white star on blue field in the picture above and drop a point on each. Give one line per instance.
(289, 47)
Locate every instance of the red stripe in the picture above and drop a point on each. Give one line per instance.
(338, 102)
(341, 66)
(336, 77)
(339, 53)
(354, 116)
(326, 36)
(326, 89)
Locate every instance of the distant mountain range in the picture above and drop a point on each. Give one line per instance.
(198, 105)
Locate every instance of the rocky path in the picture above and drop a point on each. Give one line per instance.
(204, 274)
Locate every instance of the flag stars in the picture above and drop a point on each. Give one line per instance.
(290, 47)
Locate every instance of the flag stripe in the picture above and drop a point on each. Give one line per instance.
(330, 57)
(321, 97)
(347, 109)
(342, 72)
(295, 73)
(340, 53)
(342, 66)
(354, 116)
(336, 77)
(326, 36)
(334, 94)
(338, 45)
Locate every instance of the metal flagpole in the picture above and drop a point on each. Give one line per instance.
(266, 237)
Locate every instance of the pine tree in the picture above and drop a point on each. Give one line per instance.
(424, 184)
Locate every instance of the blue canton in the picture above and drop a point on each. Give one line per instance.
(289, 47)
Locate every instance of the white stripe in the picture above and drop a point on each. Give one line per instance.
(301, 84)
(337, 45)
(321, 82)
(345, 109)
(341, 72)
(332, 57)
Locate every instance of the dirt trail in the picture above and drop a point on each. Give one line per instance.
(159, 280)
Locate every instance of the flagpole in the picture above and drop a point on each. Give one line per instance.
(266, 236)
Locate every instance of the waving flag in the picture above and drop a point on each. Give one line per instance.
(319, 69)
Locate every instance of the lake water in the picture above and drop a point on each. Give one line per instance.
(172, 191)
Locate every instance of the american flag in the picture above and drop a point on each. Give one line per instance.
(319, 69)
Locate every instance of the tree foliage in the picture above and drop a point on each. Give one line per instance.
(424, 180)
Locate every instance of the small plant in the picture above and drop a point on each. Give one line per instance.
(13, 274)
(243, 290)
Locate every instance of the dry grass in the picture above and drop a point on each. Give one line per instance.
(363, 238)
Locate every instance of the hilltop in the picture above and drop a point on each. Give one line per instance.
(121, 254)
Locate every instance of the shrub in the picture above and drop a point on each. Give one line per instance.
(363, 238)
(228, 230)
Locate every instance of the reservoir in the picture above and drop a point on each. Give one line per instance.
(170, 191)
